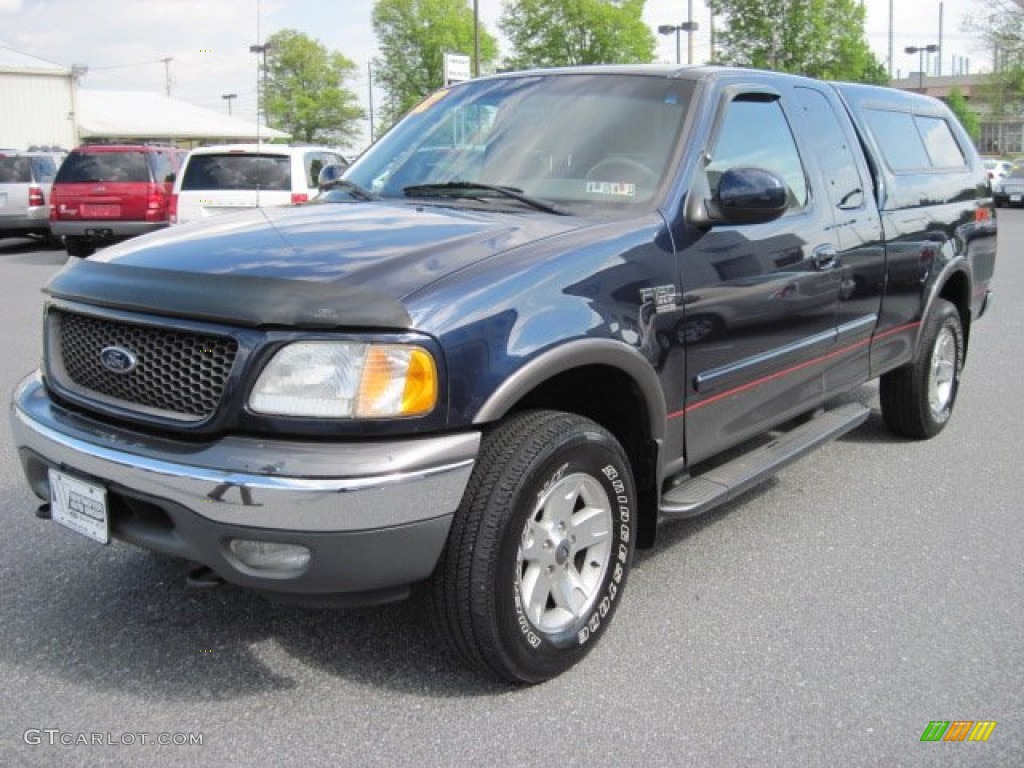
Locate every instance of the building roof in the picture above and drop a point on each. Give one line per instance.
(16, 61)
(146, 115)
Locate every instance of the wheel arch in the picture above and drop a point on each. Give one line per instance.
(609, 383)
(955, 287)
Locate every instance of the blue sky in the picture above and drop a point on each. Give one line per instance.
(123, 41)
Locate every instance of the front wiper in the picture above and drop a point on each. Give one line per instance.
(353, 189)
(473, 189)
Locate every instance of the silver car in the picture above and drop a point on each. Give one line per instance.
(1009, 190)
(25, 181)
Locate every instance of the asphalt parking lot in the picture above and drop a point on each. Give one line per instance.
(824, 619)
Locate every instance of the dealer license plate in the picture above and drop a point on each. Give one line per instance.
(1014, 198)
(80, 506)
(101, 211)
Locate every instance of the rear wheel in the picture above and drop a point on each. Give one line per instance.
(79, 246)
(539, 549)
(917, 399)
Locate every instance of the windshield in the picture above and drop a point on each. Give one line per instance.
(589, 139)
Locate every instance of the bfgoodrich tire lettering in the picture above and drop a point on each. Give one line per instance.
(538, 553)
(917, 399)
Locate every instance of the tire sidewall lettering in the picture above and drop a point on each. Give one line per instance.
(602, 464)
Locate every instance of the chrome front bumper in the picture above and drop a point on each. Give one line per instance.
(365, 495)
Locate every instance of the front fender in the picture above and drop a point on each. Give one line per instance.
(576, 354)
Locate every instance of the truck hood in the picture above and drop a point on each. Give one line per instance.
(321, 265)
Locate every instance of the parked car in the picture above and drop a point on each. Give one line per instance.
(997, 169)
(1009, 190)
(25, 181)
(469, 368)
(108, 192)
(235, 177)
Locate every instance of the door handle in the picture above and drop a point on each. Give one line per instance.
(825, 257)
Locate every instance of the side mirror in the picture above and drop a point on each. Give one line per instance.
(329, 176)
(750, 196)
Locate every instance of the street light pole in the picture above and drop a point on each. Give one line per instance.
(476, 38)
(689, 32)
(689, 27)
(262, 50)
(228, 97)
(921, 50)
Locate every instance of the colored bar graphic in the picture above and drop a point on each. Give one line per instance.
(958, 730)
(982, 730)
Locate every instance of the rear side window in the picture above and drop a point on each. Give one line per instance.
(938, 140)
(914, 142)
(163, 166)
(832, 145)
(103, 166)
(236, 172)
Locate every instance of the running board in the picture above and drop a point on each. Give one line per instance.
(699, 494)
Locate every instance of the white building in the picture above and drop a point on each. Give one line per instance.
(38, 102)
(42, 105)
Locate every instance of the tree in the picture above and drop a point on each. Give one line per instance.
(305, 91)
(967, 117)
(1001, 26)
(818, 38)
(553, 33)
(413, 36)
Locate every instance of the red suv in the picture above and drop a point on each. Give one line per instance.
(108, 192)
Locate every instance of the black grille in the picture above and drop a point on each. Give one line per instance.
(177, 374)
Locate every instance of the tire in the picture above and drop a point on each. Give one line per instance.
(80, 247)
(917, 399)
(516, 594)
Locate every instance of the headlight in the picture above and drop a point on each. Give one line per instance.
(332, 380)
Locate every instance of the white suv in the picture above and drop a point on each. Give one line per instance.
(233, 177)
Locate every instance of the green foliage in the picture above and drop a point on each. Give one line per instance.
(553, 33)
(306, 93)
(817, 38)
(413, 36)
(967, 117)
(1001, 26)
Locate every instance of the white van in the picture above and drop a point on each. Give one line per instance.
(233, 177)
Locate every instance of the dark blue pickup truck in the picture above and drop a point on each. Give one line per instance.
(522, 327)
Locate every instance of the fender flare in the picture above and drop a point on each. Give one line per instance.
(959, 266)
(577, 354)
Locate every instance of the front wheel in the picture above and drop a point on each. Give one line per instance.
(539, 549)
(917, 399)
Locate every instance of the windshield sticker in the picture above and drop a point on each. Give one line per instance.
(428, 102)
(612, 188)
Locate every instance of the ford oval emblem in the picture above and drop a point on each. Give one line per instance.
(118, 359)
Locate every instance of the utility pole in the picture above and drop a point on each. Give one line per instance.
(167, 73)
